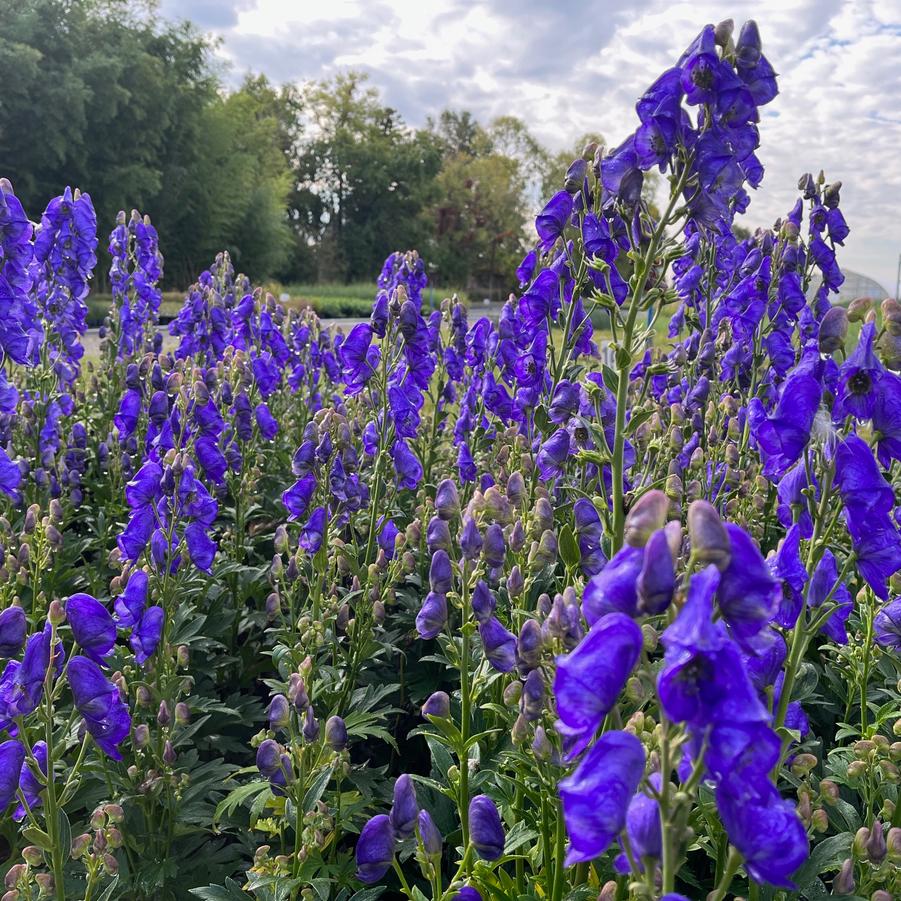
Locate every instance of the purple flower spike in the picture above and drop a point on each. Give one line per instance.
(98, 701)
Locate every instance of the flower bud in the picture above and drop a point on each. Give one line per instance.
(533, 695)
(405, 809)
(33, 856)
(881, 895)
(829, 791)
(429, 835)
(515, 582)
(485, 829)
(310, 725)
(56, 613)
(447, 500)
(875, 846)
(541, 745)
(544, 552)
(278, 712)
(648, 514)
(844, 884)
(709, 538)
(819, 820)
(517, 537)
(336, 733)
(79, 845)
(169, 755)
(516, 488)
(437, 704)
(542, 516)
(32, 515)
(46, 883)
(833, 330)
(110, 864)
(163, 717)
(858, 309)
(528, 648)
(438, 536)
(141, 735)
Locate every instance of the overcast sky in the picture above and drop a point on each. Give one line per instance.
(567, 67)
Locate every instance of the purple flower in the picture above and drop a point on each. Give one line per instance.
(266, 421)
(375, 849)
(447, 500)
(552, 454)
(29, 785)
(788, 568)
(432, 615)
(589, 531)
(92, 626)
(887, 625)
(499, 644)
(22, 684)
(13, 626)
(406, 465)
(615, 587)
(483, 602)
(405, 808)
(494, 550)
(657, 579)
(703, 679)
(748, 594)
(486, 832)
(824, 583)
(131, 603)
(553, 218)
(297, 498)
(859, 381)
(470, 538)
(314, 529)
(12, 756)
(589, 680)
(596, 796)
(98, 701)
(765, 828)
(147, 634)
(201, 548)
(441, 576)
(642, 828)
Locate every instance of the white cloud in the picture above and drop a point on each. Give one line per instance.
(576, 66)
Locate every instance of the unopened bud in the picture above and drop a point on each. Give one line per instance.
(709, 538)
(648, 514)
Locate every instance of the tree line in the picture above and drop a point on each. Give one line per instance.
(301, 182)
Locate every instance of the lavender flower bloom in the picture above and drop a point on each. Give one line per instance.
(596, 796)
(98, 701)
(13, 626)
(29, 785)
(275, 765)
(552, 454)
(483, 602)
(437, 704)
(588, 680)
(887, 625)
(486, 831)
(470, 539)
(447, 500)
(12, 756)
(92, 626)
(494, 549)
(405, 808)
(499, 644)
(657, 579)
(375, 849)
(440, 573)
(313, 531)
(553, 218)
(406, 465)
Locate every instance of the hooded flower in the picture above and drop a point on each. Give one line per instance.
(405, 808)
(887, 625)
(92, 626)
(486, 831)
(499, 644)
(824, 583)
(12, 756)
(596, 796)
(589, 680)
(859, 380)
(98, 701)
(13, 626)
(375, 849)
(748, 594)
(29, 785)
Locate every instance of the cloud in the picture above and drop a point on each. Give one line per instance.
(577, 66)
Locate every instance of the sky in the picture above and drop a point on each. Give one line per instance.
(567, 67)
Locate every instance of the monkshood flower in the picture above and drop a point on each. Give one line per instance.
(860, 379)
(887, 419)
(703, 680)
(405, 809)
(643, 829)
(375, 849)
(486, 832)
(13, 628)
(588, 681)
(22, 684)
(887, 625)
(275, 765)
(596, 796)
(12, 756)
(29, 785)
(105, 715)
(432, 616)
(467, 893)
(786, 566)
(92, 626)
(407, 467)
(147, 633)
(765, 828)
(589, 532)
(824, 583)
(499, 644)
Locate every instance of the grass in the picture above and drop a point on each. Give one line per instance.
(334, 300)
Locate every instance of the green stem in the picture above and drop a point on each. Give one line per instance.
(732, 865)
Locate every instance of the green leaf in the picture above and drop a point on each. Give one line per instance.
(369, 894)
(569, 549)
(237, 797)
(231, 891)
(314, 792)
(828, 855)
(38, 837)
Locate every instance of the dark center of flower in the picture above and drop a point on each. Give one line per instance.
(860, 382)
